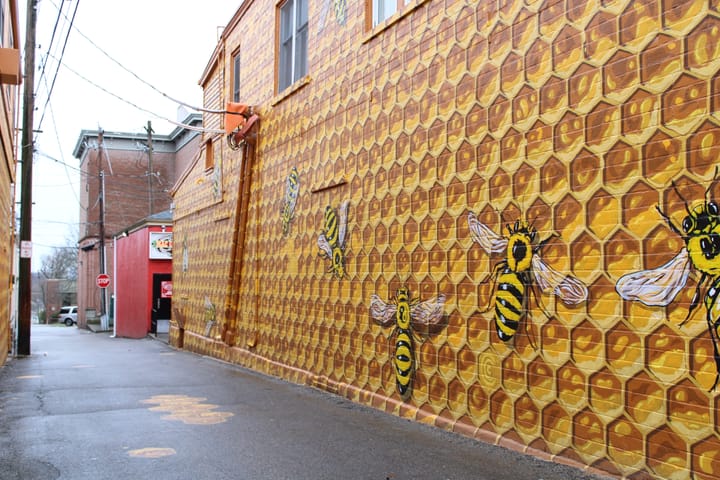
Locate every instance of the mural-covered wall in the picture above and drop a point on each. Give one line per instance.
(499, 218)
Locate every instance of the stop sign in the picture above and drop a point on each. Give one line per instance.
(103, 280)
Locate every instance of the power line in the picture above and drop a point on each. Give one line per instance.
(160, 117)
(179, 102)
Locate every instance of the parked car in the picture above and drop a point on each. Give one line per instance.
(68, 315)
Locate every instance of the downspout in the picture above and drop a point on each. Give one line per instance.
(239, 234)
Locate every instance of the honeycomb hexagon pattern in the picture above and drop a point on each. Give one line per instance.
(594, 122)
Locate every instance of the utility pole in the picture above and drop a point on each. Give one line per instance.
(101, 205)
(150, 131)
(27, 148)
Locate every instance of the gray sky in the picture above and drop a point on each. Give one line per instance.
(167, 43)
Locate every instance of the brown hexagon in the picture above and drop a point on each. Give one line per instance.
(512, 148)
(602, 125)
(584, 170)
(624, 350)
(689, 410)
(556, 427)
(552, 17)
(524, 28)
(622, 254)
(524, 105)
(499, 115)
(601, 36)
(571, 384)
(660, 62)
(499, 186)
(568, 216)
(704, 150)
(638, 212)
(538, 62)
(585, 88)
(705, 458)
(666, 355)
(501, 411)
(539, 140)
(437, 390)
(681, 15)
(569, 135)
(587, 348)
(585, 255)
(683, 103)
(567, 49)
(488, 84)
(702, 361)
(589, 434)
(511, 74)
(638, 21)
(541, 383)
(645, 400)
(513, 373)
(625, 443)
(640, 113)
(478, 404)
(606, 393)
(527, 417)
(500, 41)
(622, 164)
(524, 180)
(553, 99)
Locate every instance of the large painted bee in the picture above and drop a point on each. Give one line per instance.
(657, 287)
(521, 273)
(409, 316)
(292, 189)
(332, 238)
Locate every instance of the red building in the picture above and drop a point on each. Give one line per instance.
(126, 179)
(142, 289)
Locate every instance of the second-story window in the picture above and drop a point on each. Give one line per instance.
(293, 37)
(384, 9)
(236, 77)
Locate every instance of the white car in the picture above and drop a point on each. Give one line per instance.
(68, 315)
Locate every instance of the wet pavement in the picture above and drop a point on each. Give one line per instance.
(85, 405)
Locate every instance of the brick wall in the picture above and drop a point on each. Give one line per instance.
(588, 122)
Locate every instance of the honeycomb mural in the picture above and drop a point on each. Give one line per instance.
(593, 121)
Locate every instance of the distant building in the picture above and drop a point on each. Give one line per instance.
(136, 181)
(10, 78)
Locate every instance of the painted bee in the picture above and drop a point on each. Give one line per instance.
(520, 273)
(657, 287)
(332, 239)
(339, 8)
(409, 316)
(292, 189)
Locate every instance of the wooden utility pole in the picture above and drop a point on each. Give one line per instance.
(27, 148)
(101, 205)
(149, 131)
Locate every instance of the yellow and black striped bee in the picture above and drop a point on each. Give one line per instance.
(332, 238)
(292, 189)
(520, 273)
(338, 7)
(409, 316)
(658, 287)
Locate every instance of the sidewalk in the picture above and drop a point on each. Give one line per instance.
(86, 406)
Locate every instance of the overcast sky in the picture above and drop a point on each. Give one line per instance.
(167, 43)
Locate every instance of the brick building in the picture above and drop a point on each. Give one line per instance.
(533, 183)
(10, 78)
(122, 161)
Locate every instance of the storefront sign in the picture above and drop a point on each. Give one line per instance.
(161, 244)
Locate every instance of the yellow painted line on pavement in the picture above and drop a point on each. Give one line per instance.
(189, 410)
(152, 452)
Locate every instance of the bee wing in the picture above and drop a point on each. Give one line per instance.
(325, 248)
(656, 287)
(490, 241)
(428, 313)
(342, 222)
(383, 313)
(566, 287)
